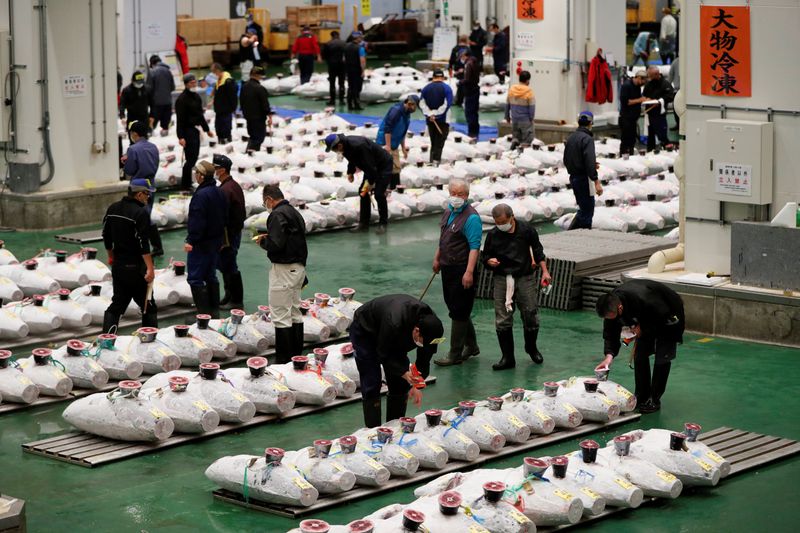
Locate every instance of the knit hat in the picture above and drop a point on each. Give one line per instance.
(204, 168)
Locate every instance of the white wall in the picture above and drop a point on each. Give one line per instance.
(775, 77)
(144, 28)
(212, 9)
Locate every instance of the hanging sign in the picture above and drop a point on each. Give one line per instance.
(725, 51)
(366, 8)
(530, 9)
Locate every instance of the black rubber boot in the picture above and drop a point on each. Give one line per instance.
(458, 332)
(150, 318)
(641, 373)
(531, 337)
(659, 383)
(201, 300)
(298, 343)
(349, 102)
(471, 348)
(213, 299)
(381, 229)
(226, 298)
(110, 321)
(357, 104)
(372, 411)
(284, 341)
(359, 228)
(505, 338)
(396, 406)
(236, 291)
(156, 248)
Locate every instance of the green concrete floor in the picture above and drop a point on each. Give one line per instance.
(715, 382)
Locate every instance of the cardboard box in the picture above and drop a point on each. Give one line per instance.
(215, 31)
(191, 30)
(200, 56)
(236, 29)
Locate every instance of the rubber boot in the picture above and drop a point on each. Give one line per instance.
(156, 248)
(213, 299)
(372, 411)
(201, 300)
(531, 336)
(110, 321)
(381, 229)
(396, 406)
(237, 291)
(505, 337)
(359, 228)
(357, 104)
(659, 383)
(226, 298)
(641, 373)
(458, 333)
(471, 348)
(349, 102)
(150, 318)
(298, 342)
(284, 342)
(341, 95)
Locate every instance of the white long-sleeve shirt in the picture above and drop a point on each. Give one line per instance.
(669, 27)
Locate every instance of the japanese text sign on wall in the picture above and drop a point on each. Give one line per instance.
(735, 179)
(366, 8)
(530, 9)
(74, 86)
(725, 51)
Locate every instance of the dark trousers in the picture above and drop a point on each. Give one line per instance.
(380, 184)
(336, 72)
(459, 300)
(201, 268)
(471, 114)
(162, 115)
(501, 71)
(354, 82)
(580, 188)
(257, 131)
(627, 134)
(306, 64)
(438, 139)
(369, 367)
(525, 299)
(459, 97)
(190, 154)
(648, 388)
(129, 284)
(228, 255)
(223, 123)
(657, 127)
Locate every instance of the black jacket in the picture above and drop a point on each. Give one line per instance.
(161, 84)
(234, 196)
(225, 98)
(208, 214)
(333, 52)
(654, 307)
(189, 113)
(629, 91)
(367, 155)
(579, 157)
(134, 104)
(254, 101)
(513, 250)
(352, 57)
(126, 231)
(285, 242)
(479, 37)
(455, 60)
(472, 76)
(659, 89)
(500, 50)
(390, 321)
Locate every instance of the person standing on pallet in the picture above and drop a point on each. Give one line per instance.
(651, 314)
(456, 259)
(383, 332)
(189, 117)
(141, 162)
(306, 49)
(355, 61)
(226, 100)
(581, 163)
(285, 243)
(435, 100)
(392, 133)
(333, 54)
(513, 252)
(256, 110)
(231, 276)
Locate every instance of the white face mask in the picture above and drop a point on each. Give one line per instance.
(419, 344)
(504, 227)
(138, 84)
(456, 202)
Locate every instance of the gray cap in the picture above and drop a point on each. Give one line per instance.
(640, 74)
(189, 78)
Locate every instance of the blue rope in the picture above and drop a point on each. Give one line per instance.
(407, 444)
(455, 423)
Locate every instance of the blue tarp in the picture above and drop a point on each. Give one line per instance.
(417, 126)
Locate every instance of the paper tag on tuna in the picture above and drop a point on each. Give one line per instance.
(165, 352)
(197, 342)
(435, 448)
(25, 380)
(302, 483)
(200, 404)
(704, 465)
(341, 377)
(475, 528)
(607, 401)
(239, 397)
(158, 413)
(94, 366)
(624, 392)
(405, 454)
(666, 476)
(516, 421)
(489, 429)
(622, 483)
(124, 358)
(564, 495)
(337, 466)
(280, 387)
(463, 438)
(590, 493)
(528, 487)
(569, 407)
(323, 381)
(714, 457)
(542, 416)
(58, 374)
(519, 517)
(375, 465)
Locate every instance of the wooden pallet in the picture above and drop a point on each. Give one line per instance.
(324, 503)
(744, 450)
(88, 237)
(87, 450)
(80, 393)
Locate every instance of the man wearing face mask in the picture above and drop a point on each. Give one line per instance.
(456, 259)
(383, 332)
(285, 243)
(513, 252)
(231, 277)
(189, 116)
(499, 46)
(477, 40)
(581, 163)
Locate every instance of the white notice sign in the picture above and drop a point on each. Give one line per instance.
(735, 179)
(74, 86)
(524, 40)
(444, 40)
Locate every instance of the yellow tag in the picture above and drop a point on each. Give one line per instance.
(570, 408)
(58, 374)
(337, 466)
(519, 517)
(714, 457)
(323, 381)
(463, 438)
(25, 380)
(239, 397)
(280, 387)
(607, 401)
(165, 352)
(489, 429)
(564, 495)
(542, 416)
(200, 404)
(197, 342)
(405, 454)
(375, 465)
(302, 483)
(341, 377)
(704, 465)
(590, 493)
(622, 483)
(158, 413)
(94, 366)
(124, 358)
(666, 476)
(516, 421)
(624, 392)
(475, 528)
(435, 448)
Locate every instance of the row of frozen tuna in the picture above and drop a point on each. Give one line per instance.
(551, 491)
(368, 457)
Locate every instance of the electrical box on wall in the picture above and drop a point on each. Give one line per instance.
(740, 161)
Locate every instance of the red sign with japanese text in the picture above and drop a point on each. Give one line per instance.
(725, 51)
(530, 9)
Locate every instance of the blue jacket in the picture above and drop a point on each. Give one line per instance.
(208, 215)
(436, 99)
(396, 124)
(142, 160)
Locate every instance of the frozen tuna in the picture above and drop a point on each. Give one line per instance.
(79, 364)
(262, 387)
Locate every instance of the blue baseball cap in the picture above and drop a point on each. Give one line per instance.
(142, 184)
(412, 98)
(586, 117)
(331, 141)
